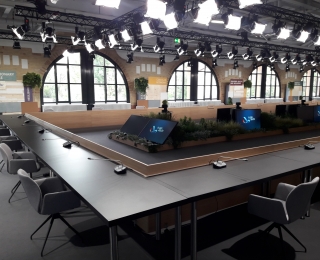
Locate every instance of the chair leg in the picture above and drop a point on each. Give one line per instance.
(281, 239)
(14, 190)
(69, 226)
(296, 239)
(268, 229)
(15, 186)
(2, 166)
(41, 226)
(45, 241)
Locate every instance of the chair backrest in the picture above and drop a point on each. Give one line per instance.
(299, 198)
(6, 152)
(32, 190)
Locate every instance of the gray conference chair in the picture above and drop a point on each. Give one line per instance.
(48, 197)
(289, 204)
(18, 160)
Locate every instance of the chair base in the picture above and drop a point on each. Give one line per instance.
(279, 226)
(52, 218)
(14, 189)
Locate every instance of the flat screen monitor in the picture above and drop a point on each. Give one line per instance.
(305, 113)
(316, 113)
(248, 118)
(292, 110)
(281, 110)
(224, 114)
(158, 130)
(134, 124)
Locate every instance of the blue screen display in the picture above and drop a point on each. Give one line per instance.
(157, 130)
(134, 125)
(248, 118)
(316, 113)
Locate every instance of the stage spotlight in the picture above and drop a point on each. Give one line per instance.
(47, 33)
(300, 34)
(21, 30)
(100, 43)
(112, 41)
(170, 21)
(177, 57)
(159, 46)
(156, 9)
(129, 57)
(207, 46)
(245, 3)
(254, 65)
(200, 50)
(261, 56)
(47, 51)
(90, 47)
(16, 45)
(137, 44)
(315, 62)
(214, 63)
(190, 63)
(272, 67)
(287, 67)
(286, 58)
(205, 11)
(248, 54)
(235, 64)
(80, 38)
(126, 35)
(279, 30)
(296, 59)
(307, 60)
(274, 57)
(232, 54)
(232, 22)
(301, 69)
(317, 40)
(183, 49)
(216, 53)
(162, 60)
(258, 28)
(108, 3)
(145, 28)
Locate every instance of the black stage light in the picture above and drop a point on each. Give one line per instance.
(16, 45)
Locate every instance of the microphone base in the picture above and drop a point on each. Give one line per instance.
(219, 165)
(67, 144)
(27, 121)
(309, 146)
(41, 131)
(120, 169)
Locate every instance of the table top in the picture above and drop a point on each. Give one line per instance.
(117, 197)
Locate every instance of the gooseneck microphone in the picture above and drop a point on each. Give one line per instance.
(119, 169)
(44, 129)
(68, 144)
(309, 145)
(221, 164)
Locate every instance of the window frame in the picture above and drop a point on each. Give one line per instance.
(309, 96)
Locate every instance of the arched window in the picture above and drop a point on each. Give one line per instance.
(193, 80)
(265, 83)
(81, 79)
(311, 84)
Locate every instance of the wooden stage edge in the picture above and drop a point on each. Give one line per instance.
(148, 170)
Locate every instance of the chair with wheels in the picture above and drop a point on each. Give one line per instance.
(49, 197)
(18, 160)
(289, 204)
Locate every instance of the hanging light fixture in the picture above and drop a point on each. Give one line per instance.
(170, 21)
(162, 60)
(200, 50)
(159, 46)
(248, 54)
(286, 58)
(156, 9)
(47, 51)
(258, 28)
(108, 3)
(246, 3)
(47, 33)
(205, 11)
(183, 48)
(216, 53)
(274, 57)
(232, 54)
(137, 44)
(16, 45)
(129, 57)
(232, 22)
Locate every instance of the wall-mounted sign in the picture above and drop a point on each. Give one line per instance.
(298, 83)
(7, 75)
(236, 82)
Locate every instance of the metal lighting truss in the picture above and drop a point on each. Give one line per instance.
(57, 16)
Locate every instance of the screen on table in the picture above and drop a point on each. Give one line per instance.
(248, 118)
(316, 113)
(292, 110)
(281, 110)
(306, 113)
(134, 124)
(157, 130)
(223, 114)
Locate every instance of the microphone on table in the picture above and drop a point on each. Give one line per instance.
(51, 139)
(19, 116)
(120, 169)
(309, 145)
(220, 164)
(44, 129)
(68, 144)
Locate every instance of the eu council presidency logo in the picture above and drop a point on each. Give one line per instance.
(318, 113)
(248, 120)
(155, 129)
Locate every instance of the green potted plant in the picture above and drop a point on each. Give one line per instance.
(247, 83)
(230, 101)
(32, 80)
(165, 106)
(291, 85)
(141, 85)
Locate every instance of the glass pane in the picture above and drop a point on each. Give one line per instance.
(49, 93)
(201, 66)
(208, 69)
(268, 92)
(180, 67)
(63, 92)
(186, 93)
(186, 67)
(173, 79)
(200, 92)
(62, 76)
(108, 63)
(207, 92)
(119, 78)
(187, 78)
(111, 77)
(208, 79)
(111, 92)
(98, 75)
(74, 58)
(179, 77)
(75, 93)
(99, 60)
(99, 94)
(75, 74)
(63, 60)
(50, 76)
(171, 93)
(179, 92)
(201, 78)
(122, 93)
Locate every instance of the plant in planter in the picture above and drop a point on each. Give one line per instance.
(247, 84)
(291, 85)
(31, 80)
(141, 85)
(165, 106)
(230, 101)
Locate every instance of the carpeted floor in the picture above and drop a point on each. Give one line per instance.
(225, 235)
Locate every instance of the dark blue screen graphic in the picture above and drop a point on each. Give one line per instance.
(316, 113)
(248, 118)
(134, 124)
(157, 130)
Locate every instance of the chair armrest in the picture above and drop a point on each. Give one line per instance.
(283, 191)
(24, 155)
(50, 185)
(28, 165)
(270, 209)
(59, 201)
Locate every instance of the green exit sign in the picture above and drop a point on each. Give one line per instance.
(176, 40)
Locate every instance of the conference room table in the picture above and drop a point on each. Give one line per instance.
(115, 198)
